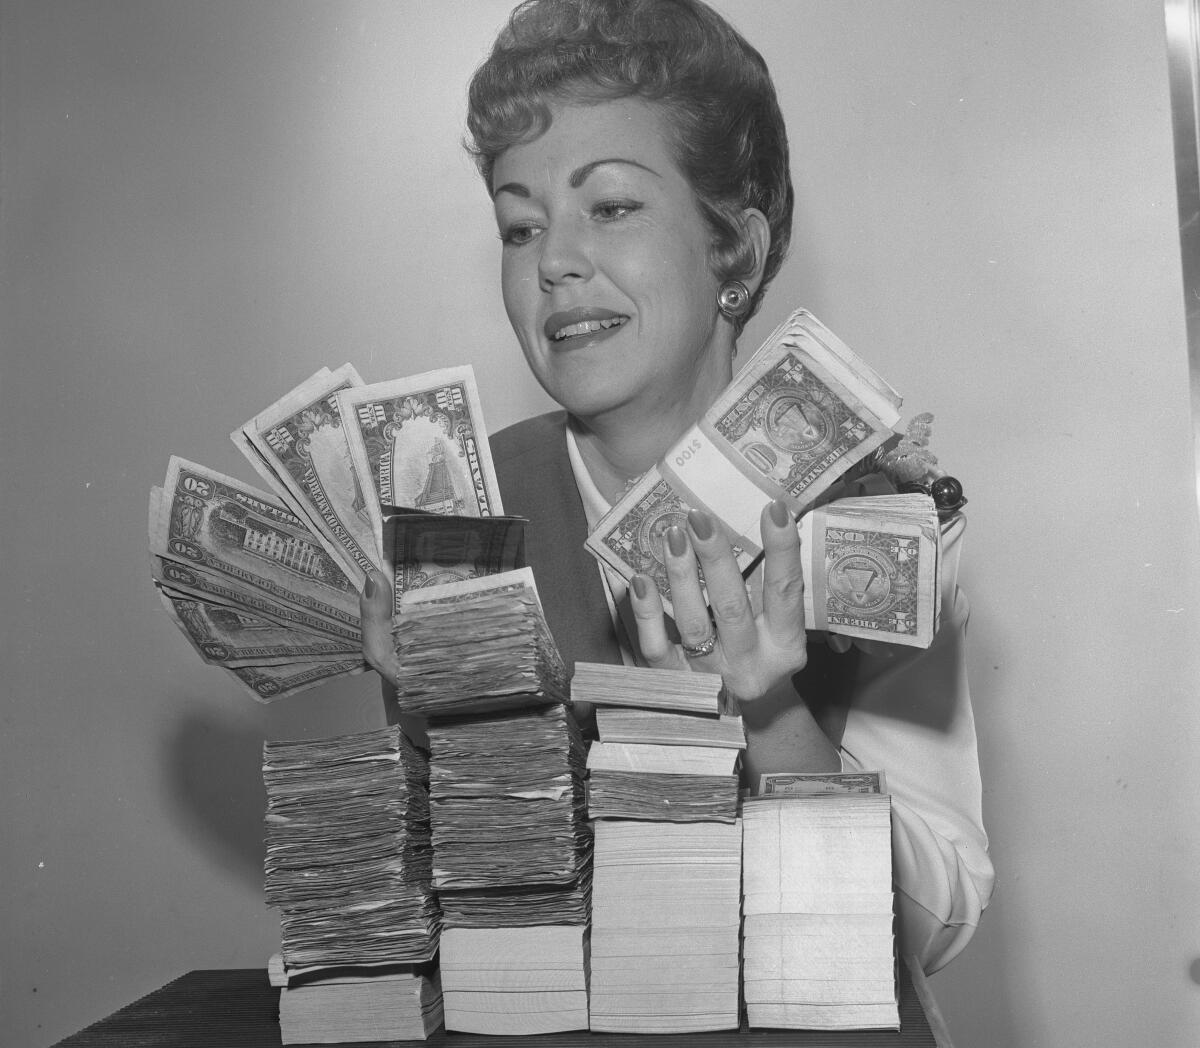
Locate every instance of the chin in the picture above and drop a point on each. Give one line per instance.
(586, 391)
(589, 399)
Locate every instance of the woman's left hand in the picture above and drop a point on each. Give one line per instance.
(754, 651)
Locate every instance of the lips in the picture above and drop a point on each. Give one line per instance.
(583, 323)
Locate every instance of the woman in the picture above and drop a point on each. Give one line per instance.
(637, 161)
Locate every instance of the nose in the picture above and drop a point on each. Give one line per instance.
(565, 256)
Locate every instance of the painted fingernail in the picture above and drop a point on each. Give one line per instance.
(676, 540)
(781, 516)
(638, 582)
(701, 524)
(369, 587)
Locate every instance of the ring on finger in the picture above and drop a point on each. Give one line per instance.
(705, 647)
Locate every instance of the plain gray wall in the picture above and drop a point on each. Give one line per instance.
(201, 202)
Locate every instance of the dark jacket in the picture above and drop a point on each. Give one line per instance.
(536, 481)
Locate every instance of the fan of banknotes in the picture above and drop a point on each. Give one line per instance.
(265, 584)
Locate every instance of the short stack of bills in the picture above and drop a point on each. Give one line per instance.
(476, 646)
(658, 757)
(515, 980)
(818, 946)
(871, 568)
(353, 1004)
(662, 794)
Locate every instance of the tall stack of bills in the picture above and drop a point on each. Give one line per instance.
(349, 865)
(817, 912)
(663, 794)
(511, 847)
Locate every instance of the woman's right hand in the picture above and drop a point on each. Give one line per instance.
(375, 609)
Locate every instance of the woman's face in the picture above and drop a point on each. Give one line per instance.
(605, 272)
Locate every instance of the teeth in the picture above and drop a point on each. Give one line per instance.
(586, 327)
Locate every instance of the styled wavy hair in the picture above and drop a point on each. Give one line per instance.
(729, 137)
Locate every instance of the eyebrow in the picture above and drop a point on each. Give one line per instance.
(578, 176)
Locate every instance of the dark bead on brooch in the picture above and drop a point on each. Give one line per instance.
(946, 492)
(947, 495)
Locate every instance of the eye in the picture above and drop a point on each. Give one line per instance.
(519, 233)
(611, 210)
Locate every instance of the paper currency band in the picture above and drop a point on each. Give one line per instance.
(816, 570)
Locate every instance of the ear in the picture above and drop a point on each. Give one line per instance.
(756, 233)
(746, 258)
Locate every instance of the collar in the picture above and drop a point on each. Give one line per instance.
(595, 505)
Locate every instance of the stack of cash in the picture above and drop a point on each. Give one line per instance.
(266, 584)
(475, 646)
(512, 865)
(597, 683)
(506, 795)
(516, 981)
(871, 568)
(349, 861)
(817, 929)
(352, 1004)
(665, 926)
(658, 756)
(803, 411)
(663, 791)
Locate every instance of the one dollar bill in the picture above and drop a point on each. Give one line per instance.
(872, 568)
(818, 784)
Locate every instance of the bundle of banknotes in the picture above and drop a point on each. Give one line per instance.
(349, 856)
(511, 860)
(817, 912)
(477, 646)
(507, 799)
(265, 584)
(872, 568)
(803, 412)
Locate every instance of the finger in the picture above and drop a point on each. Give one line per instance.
(727, 594)
(659, 651)
(687, 598)
(375, 609)
(783, 574)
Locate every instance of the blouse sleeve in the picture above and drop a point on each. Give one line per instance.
(911, 718)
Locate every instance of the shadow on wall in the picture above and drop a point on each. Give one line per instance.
(214, 776)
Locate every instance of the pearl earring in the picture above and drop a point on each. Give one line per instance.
(733, 299)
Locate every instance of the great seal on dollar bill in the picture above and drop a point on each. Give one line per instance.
(791, 426)
(871, 576)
